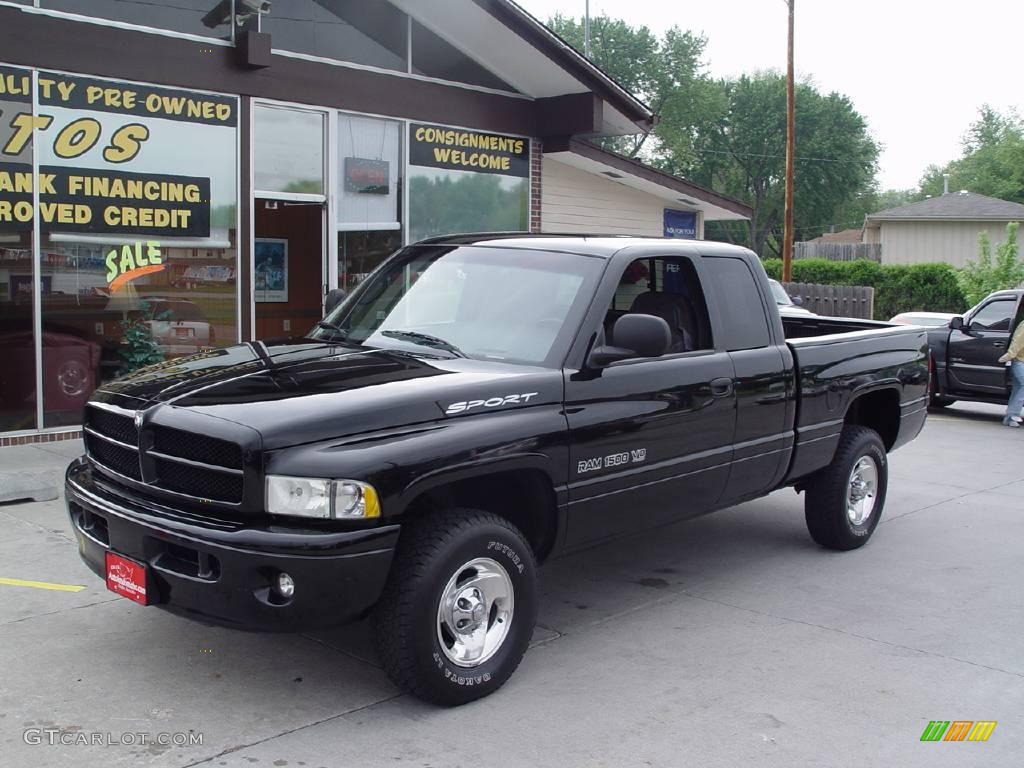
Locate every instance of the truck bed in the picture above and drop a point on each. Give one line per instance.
(838, 359)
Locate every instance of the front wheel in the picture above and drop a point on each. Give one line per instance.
(459, 608)
(844, 501)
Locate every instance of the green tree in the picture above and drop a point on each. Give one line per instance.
(981, 277)
(743, 155)
(730, 134)
(991, 162)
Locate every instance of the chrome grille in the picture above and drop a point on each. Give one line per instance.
(173, 460)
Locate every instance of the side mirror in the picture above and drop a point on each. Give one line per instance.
(634, 336)
(957, 323)
(797, 300)
(334, 297)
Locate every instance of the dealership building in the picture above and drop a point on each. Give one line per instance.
(178, 177)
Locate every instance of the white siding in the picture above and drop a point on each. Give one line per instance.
(575, 201)
(953, 242)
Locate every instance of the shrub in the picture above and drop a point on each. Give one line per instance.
(984, 276)
(898, 287)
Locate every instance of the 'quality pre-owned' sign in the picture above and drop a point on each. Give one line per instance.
(103, 148)
(435, 146)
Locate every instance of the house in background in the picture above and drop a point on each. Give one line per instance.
(943, 228)
(586, 189)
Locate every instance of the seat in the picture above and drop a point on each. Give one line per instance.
(674, 310)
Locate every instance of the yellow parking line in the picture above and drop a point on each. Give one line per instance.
(41, 585)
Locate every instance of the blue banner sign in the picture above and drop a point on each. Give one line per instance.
(681, 224)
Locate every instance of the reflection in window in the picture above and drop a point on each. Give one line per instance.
(17, 340)
(359, 253)
(371, 33)
(206, 18)
(133, 286)
(444, 202)
(289, 151)
(435, 57)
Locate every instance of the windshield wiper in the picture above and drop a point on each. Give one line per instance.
(426, 340)
(332, 327)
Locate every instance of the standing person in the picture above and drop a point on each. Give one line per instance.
(1015, 357)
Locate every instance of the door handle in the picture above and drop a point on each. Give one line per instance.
(721, 387)
(999, 344)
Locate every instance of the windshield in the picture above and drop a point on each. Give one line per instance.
(781, 297)
(506, 304)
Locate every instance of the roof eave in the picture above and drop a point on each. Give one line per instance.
(559, 51)
(636, 168)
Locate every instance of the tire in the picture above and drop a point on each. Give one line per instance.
(440, 555)
(939, 401)
(827, 508)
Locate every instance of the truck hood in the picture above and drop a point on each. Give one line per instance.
(305, 391)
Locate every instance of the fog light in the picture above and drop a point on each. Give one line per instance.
(285, 585)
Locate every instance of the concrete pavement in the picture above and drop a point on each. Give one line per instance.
(727, 640)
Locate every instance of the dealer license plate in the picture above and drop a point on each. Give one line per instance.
(127, 578)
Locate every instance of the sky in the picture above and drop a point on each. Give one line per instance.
(918, 71)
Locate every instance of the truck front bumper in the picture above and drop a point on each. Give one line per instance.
(224, 572)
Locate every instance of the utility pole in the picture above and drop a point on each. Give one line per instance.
(586, 30)
(787, 231)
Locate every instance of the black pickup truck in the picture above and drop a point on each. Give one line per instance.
(478, 405)
(965, 354)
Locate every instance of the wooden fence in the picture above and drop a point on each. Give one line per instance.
(835, 300)
(838, 251)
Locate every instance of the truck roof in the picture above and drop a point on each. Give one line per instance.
(600, 245)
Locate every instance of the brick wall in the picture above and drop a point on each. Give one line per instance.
(43, 437)
(536, 152)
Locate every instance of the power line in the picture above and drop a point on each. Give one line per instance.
(773, 157)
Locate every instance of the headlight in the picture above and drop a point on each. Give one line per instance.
(320, 498)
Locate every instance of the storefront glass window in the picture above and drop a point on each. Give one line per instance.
(206, 18)
(17, 339)
(138, 217)
(434, 56)
(289, 150)
(464, 181)
(359, 253)
(370, 195)
(371, 33)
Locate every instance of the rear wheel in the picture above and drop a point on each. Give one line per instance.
(459, 607)
(939, 401)
(844, 501)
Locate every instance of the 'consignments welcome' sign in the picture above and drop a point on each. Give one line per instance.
(435, 146)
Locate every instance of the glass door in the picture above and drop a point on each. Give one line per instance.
(289, 219)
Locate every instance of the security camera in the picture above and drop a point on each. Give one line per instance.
(253, 6)
(221, 13)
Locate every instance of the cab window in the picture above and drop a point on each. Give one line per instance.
(666, 287)
(994, 316)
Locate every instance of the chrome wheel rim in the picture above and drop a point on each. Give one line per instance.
(475, 612)
(862, 490)
(73, 378)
